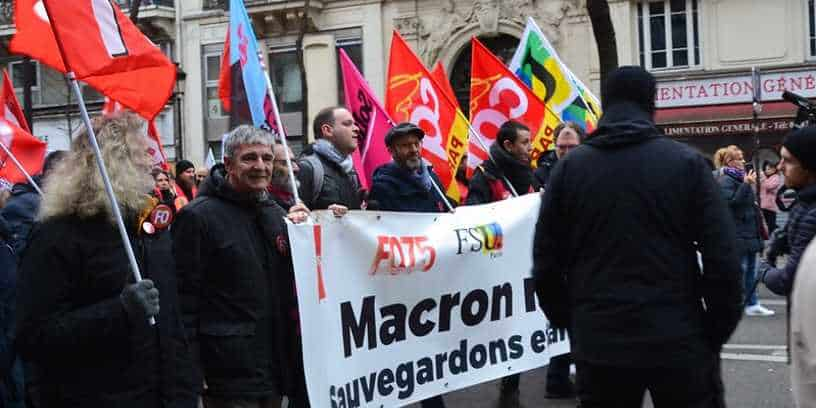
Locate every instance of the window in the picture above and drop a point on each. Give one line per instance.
(812, 27)
(285, 76)
(16, 74)
(212, 70)
(668, 33)
(354, 49)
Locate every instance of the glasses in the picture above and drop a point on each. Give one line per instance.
(565, 147)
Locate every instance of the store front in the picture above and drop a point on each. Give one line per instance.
(709, 113)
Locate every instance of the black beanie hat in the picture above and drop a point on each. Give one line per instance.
(632, 84)
(801, 143)
(183, 165)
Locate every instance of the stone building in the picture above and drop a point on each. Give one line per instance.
(701, 51)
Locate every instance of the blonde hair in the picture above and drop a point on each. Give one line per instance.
(723, 155)
(76, 188)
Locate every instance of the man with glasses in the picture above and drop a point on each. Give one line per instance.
(568, 135)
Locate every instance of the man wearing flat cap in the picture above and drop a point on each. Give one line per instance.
(406, 183)
(798, 164)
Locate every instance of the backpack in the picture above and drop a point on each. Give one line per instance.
(317, 174)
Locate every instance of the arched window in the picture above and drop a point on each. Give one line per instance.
(503, 46)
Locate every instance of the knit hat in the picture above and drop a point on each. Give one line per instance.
(630, 84)
(404, 128)
(801, 143)
(183, 165)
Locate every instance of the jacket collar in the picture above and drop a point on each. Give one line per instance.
(623, 124)
(807, 194)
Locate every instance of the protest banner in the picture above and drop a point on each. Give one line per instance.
(398, 307)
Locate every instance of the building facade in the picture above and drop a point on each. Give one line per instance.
(702, 52)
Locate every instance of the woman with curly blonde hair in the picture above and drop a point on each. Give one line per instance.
(78, 307)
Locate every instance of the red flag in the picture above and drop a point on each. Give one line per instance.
(413, 95)
(442, 80)
(28, 150)
(496, 96)
(12, 111)
(154, 144)
(225, 77)
(102, 46)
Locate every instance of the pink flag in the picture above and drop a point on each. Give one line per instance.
(371, 118)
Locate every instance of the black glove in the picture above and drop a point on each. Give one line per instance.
(141, 300)
(777, 245)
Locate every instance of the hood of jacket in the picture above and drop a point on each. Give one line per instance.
(621, 125)
(504, 164)
(216, 185)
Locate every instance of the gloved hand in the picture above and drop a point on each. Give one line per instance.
(141, 300)
(777, 245)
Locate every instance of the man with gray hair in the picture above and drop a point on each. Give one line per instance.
(235, 277)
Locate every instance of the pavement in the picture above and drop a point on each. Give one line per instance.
(754, 363)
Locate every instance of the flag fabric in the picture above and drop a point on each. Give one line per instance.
(537, 64)
(28, 150)
(102, 47)
(242, 83)
(413, 95)
(154, 144)
(12, 111)
(496, 96)
(371, 118)
(441, 78)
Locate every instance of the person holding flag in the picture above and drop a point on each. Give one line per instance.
(79, 309)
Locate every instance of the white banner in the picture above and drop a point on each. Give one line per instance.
(399, 307)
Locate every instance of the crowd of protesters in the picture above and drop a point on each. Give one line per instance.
(650, 281)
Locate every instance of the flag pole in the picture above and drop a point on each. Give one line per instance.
(444, 197)
(281, 130)
(100, 163)
(21, 168)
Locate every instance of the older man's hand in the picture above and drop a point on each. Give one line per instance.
(299, 213)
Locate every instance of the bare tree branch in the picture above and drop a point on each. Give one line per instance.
(598, 11)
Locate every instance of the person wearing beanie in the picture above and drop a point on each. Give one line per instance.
(186, 189)
(615, 259)
(796, 279)
(798, 165)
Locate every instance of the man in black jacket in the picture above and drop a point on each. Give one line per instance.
(615, 259)
(235, 277)
(799, 167)
(327, 176)
(509, 162)
(568, 135)
(405, 184)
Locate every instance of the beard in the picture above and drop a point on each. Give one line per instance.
(412, 163)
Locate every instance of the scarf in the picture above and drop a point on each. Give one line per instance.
(324, 148)
(421, 176)
(738, 174)
(519, 174)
